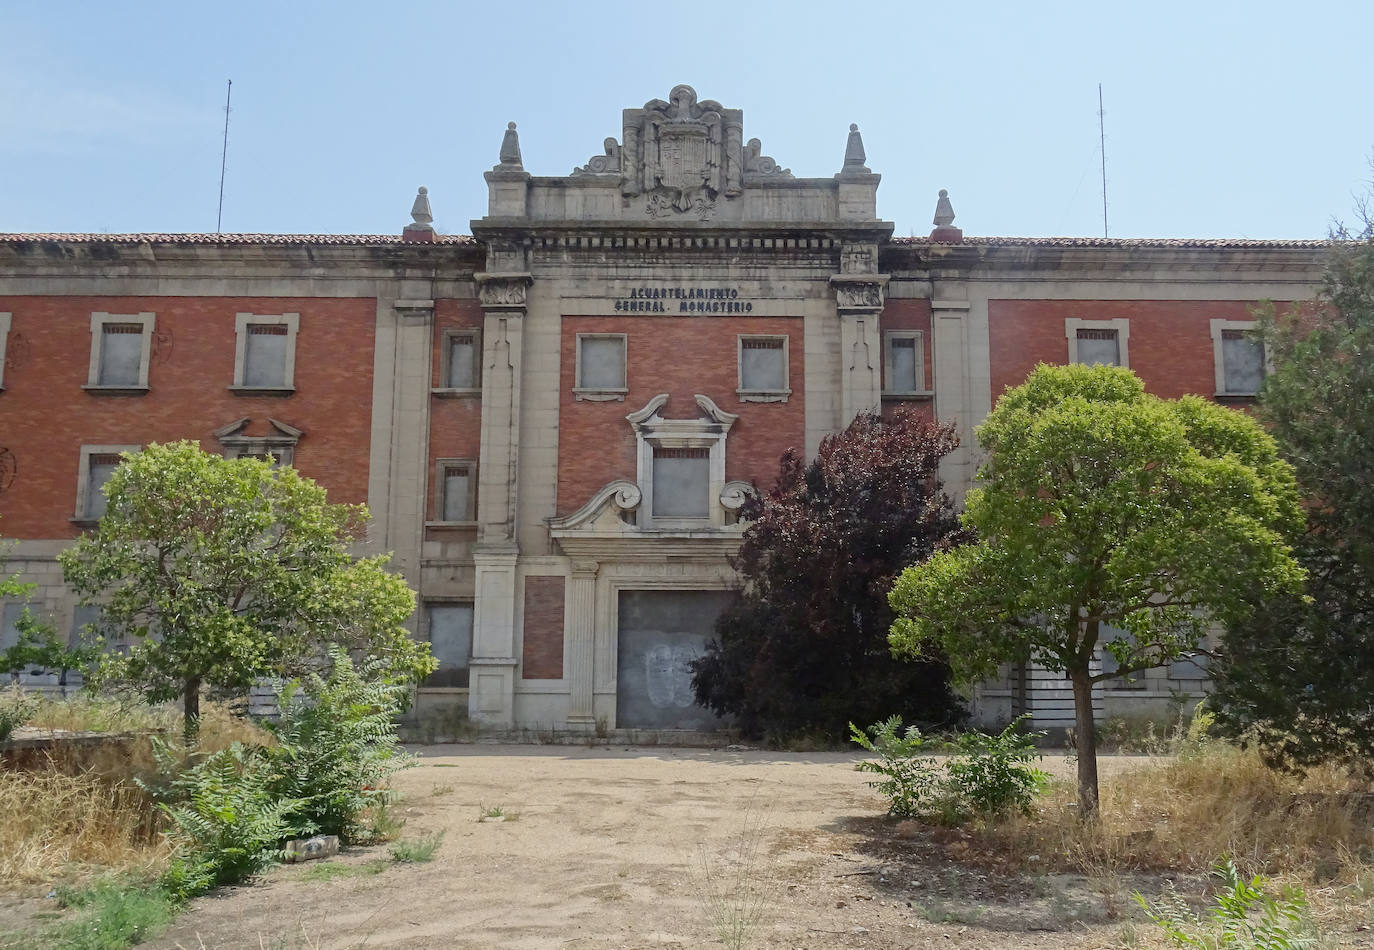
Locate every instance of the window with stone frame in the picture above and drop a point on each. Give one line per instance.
(449, 629)
(682, 483)
(9, 623)
(456, 491)
(98, 463)
(763, 368)
(121, 350)
(4, 341)
(904, 363)
(460, 367)
(1098, 342)
(601, 372)
(1107, 633)
(265, 358)
(1238, 356)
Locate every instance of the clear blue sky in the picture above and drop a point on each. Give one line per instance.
(1223, 119)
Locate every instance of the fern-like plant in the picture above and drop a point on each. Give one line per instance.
(337, 746)
(1244, 917)
(914, 782)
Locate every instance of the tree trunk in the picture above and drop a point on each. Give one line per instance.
(190, 723)
(1085, 743)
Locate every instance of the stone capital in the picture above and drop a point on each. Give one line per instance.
(506, 292)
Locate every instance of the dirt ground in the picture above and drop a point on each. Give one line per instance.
(620, 848)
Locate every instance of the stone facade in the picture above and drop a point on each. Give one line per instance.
(555, 420)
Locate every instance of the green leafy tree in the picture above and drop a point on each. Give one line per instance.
(221, 571)
(1299, 674)
(1102, 505)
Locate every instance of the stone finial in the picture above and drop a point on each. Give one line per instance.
(945, 232)
(854, 156)
(510, 148)
(421, 227)
(420, 212)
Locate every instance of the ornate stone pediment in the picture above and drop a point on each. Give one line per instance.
(279, 442)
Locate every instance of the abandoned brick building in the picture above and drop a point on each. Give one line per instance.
(555, 419)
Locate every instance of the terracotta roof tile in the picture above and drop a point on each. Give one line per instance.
(239, 239)
(1122, 242)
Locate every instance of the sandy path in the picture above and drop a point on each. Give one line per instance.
(608, 852)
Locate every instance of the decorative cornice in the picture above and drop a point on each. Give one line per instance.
(622, 493)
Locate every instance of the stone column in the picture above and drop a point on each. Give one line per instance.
(859, 292)
(953, 400)
(408, 461)
(492, 690)
(581, 651)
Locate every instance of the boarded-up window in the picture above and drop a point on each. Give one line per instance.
(264, 355)
(462, 361)
(1243, 361)
(121, 354)
(1101, 347)
(1107, 634)
(905, 366)
(450, 641)
(682, 483)
(1192, 666)
(601, 362)
(98, 472)
(762, 363)
(457, 493)
(542, 649)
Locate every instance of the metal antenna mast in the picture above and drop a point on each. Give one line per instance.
(1102, 144)
(224, 155)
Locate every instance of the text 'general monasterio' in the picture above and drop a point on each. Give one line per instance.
(684, 300)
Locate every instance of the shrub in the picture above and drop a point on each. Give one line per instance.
(337, 747)
(16, 707)
(914, 785)
(993, 774)
(1244, 917)
(987, 777)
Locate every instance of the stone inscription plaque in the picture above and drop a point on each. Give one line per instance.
(688, 301)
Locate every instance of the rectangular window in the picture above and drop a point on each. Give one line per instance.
(763, 368)
(4, 340)
(84, 618)
(100, 468)
(462, 361)
(1098, 347)
(1193, 666)
(455, 491)
(121, 348)
(904, 362)
(1106, 634)
(1242, 357)
(600, 372)
(450, 641)
(682, 483)
(264, 357)
(121, 354)
(9, 624)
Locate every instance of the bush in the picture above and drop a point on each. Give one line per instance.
(337, 747)
(914, 785)
(1244, 918)
(994, 775)
(987, 777)
(16, 707)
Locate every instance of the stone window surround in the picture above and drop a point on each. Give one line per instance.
(424, 636)
(83, 478)
(707, 431)
(1121, 325)
(919, 336)
(445, 349)
(98, 321)
(441, 466)
(1218, 325)
(4, 339)
(242, 321)
(280, 444)
(764, 395)
(608, 393)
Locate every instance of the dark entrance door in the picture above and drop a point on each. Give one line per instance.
(661, 632)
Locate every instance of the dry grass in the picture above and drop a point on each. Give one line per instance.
(1213, 799)
(81, 810)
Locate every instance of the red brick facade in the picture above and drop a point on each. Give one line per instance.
(45, 415)
(455, 422)
(542, 654)
(681, 356)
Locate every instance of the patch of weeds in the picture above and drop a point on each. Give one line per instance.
(1243, 916)
(738, 887)
(416, 850)
(495, 813)
(334, 870)
(111, 915)
(438, 790)
(382, 823)
(938, 911)
(442, 765)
